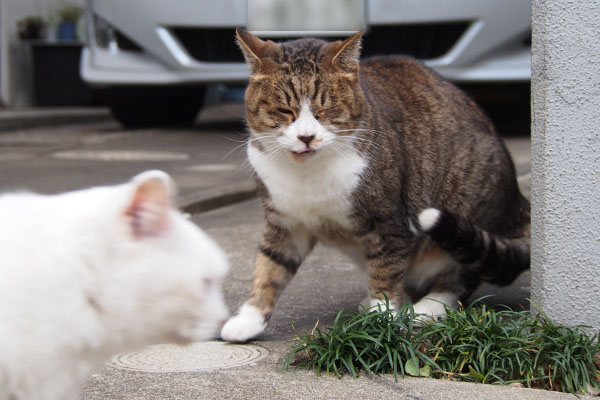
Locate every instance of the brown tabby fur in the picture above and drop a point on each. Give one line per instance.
(427, 145)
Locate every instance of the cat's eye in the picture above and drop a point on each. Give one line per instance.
(319, 114)
(287, 112)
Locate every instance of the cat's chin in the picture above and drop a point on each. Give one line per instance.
(303, 155)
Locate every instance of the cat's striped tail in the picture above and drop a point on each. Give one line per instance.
(497, 260)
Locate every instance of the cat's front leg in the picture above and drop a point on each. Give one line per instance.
(280, 254)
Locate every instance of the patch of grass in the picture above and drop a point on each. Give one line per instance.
(474, 343)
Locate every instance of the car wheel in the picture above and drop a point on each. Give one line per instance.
(143, 107)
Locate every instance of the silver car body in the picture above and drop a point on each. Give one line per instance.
(493, 45)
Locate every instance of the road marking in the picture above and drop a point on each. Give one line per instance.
(120, 155)
(212, 167)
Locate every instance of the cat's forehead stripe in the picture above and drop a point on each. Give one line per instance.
(301, 56)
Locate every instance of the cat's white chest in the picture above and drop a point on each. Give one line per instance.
(314, 193)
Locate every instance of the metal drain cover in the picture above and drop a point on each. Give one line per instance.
(202, 356)
(121, 155)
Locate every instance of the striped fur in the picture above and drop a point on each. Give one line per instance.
(496, 259)
(349, 152)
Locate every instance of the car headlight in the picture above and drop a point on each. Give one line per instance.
(108, 37)
(105, 34)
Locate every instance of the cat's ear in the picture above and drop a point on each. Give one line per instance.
(148, 209)
(344, 54)
(256, 50)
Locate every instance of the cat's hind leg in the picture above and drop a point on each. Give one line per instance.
(434, 281)
(433, 305)
(386, 266)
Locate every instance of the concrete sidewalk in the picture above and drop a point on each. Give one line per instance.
(207, 162)
(39, 117)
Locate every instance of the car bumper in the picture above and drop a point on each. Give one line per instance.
(485, 51)
(136, 69)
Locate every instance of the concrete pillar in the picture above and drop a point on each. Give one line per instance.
(565, 160)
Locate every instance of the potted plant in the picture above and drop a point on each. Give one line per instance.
(31, 28)
(67, 15)
(56, 79)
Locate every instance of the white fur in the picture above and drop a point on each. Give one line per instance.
(428, 218)
(309, 191)
(312, 193)
(247, 324)
(317, 188)
(419, 273)
(432, 306)
(375, 304)
(87, 274)
(305, 125)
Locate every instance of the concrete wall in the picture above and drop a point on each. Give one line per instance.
(566, 160)
(15, 72)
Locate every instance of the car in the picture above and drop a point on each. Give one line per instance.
(154, 59)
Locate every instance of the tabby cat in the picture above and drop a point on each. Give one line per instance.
(385, 160)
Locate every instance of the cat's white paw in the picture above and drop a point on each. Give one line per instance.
(432, 306)
(374, 304)
(247, 324)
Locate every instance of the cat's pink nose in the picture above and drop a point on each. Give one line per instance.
(306, 139)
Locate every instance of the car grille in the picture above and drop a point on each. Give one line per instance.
(423, 41)
(124, 43)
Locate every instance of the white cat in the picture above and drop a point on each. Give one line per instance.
(90, 273)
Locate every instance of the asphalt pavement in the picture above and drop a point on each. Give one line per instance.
(216, 187)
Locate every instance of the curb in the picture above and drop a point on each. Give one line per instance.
(11, 119)
(197, 203)
(201, 202)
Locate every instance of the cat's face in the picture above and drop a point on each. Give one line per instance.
(304, 97)
(165, 273)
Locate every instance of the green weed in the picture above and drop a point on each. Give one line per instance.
(474, 343)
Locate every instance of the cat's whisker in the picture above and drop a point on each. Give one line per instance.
(244, 166)
(230, 139)
(363, 130)
(368, 150)
(233, 150)
(344, 147)
(359, 131)
(245, 143)
(272, 153)
(358, 138)
(343, 150)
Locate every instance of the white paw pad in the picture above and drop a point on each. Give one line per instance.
(432, 306)
(247, 324)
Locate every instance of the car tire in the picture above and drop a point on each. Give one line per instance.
(144, 107)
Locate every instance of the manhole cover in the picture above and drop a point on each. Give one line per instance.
(204, 356)
(121, 155)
